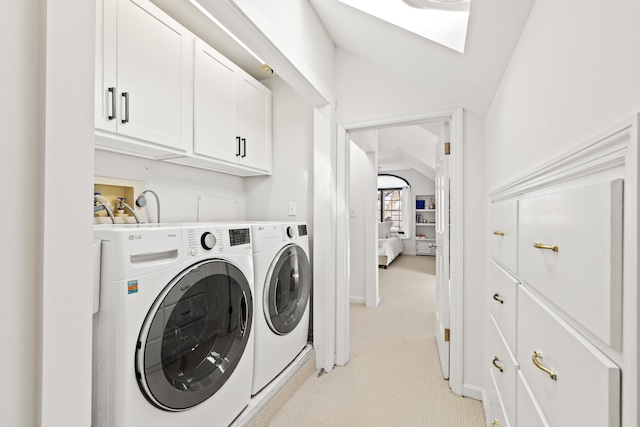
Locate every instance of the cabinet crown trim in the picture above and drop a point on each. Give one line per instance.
(603, 152)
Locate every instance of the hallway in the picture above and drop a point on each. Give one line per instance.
(393, 377)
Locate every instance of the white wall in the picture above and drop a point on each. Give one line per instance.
(47, 159)
(293, 27)
(178, 187)
(364, 92)
(19, 148)
(268, 197)
(573, 74)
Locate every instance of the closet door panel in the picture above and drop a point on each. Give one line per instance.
(529, 412)
(586, 389)
(570, 250)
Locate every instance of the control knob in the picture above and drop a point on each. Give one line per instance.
(208, 240)
(290, 232)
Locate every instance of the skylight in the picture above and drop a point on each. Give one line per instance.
(442, 21)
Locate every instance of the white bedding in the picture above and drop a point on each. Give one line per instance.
(390, 247)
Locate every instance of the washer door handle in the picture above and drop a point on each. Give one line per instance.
(243, 314)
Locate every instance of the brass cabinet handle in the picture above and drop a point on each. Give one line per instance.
(496, 297)
(538, 355)
(540, 245)
(495, 363)
(498, 233)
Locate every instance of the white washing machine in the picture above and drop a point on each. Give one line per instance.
(173, 338)
(281, 303)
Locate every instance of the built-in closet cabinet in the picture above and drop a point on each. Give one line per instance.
(561, 342)
(144, 68)
(232, 117)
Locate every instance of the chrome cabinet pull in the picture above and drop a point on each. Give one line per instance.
(125, 95)
(498, 233)
(113, 103)
(495, 363)
(538, 355)
(496, 297)
(540, 245)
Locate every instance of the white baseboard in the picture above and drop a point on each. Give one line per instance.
(473, 391)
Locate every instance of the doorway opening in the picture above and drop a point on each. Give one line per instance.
(453, 118)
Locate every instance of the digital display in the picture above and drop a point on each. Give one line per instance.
(302, 230)
(239, 236)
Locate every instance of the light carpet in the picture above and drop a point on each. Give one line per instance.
(393, 377)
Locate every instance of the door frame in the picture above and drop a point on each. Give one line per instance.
(453, 115)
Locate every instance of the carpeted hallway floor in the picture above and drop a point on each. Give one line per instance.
(393, 377)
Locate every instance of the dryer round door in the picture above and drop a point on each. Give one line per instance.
(287, 289)
(194, 335)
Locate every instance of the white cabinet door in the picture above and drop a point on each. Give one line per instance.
(106, 92)
(232, 117)
(144, 93)
(529, 413)
(570, 250)
(255, 123)
(573, 382)
(154, 76)
(215, 105)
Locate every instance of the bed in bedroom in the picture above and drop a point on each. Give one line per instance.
(389, 247)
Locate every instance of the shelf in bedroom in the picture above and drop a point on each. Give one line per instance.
(425, 210)
(427, 224)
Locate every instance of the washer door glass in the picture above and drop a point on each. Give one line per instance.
(194, 335)
(287, 289)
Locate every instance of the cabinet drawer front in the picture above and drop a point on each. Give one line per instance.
(503, 367)
(580, 267)
(504, 233)
(586, 391)
(495, 415)
(529, 412)
(502, 302)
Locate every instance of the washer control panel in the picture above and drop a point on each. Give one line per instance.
(206, 240)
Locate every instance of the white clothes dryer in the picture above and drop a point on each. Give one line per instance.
(281, 304)
(173, 339)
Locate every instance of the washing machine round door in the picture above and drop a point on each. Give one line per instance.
(194, 335)
(287, 289)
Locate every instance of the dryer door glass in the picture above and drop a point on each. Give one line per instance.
(288, 286)
(194, 335)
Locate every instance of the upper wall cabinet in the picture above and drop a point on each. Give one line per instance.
(144, 68)
(232, 117)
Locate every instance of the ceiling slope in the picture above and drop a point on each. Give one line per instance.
(469, 79)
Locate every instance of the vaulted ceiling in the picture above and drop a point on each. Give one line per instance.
(468, 79)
